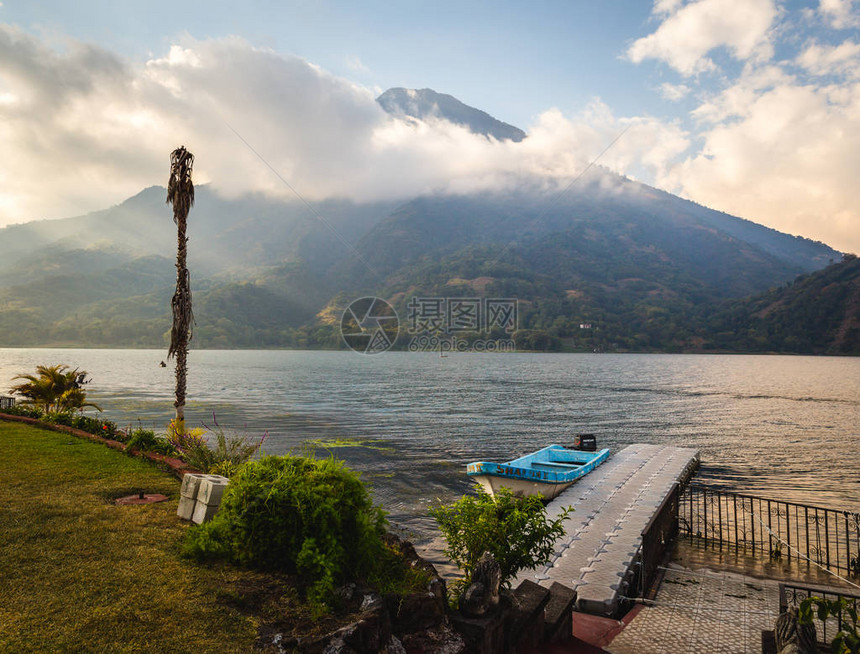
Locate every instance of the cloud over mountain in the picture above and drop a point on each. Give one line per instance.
(82, 123)
(773, 140)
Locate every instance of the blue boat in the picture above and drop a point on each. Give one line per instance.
(546, 472)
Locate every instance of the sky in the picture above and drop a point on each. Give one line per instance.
(747, 106)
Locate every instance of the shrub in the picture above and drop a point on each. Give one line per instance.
(225, 454)
(28, 411)
(514, 530)
(145, 440)
(225, 469)
(847, 639)
(312, 518)
(105, 428)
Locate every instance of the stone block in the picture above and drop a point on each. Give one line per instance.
(558, 616)
(484, 635)
(203, 512)
(190, 484)
(526, 627)
(212, 489)
(186, 507)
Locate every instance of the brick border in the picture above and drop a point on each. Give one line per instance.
(176, 466)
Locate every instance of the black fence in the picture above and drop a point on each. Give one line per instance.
(792, 595)
(6, 402)
(772, 528)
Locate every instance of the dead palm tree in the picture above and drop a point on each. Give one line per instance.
(180, 193)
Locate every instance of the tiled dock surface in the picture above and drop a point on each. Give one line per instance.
(612, 505)
(702, 611)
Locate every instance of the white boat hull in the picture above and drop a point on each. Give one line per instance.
(520, 487)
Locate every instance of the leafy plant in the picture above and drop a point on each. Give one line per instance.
(57, 389)
(847, 639)
(26, 410)
(225, 469)
(145, 440)
(225, 452)
(105, 428)
(514, 530)
(312, 518)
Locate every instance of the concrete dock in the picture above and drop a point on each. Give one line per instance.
(612, 505)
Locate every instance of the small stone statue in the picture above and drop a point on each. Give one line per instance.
(483, 593)
(792, 637)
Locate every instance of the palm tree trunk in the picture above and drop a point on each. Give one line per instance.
(181, 297)
(180, 193)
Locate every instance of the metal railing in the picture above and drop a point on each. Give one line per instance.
(6, 402)
(773, 528)
(792, 595)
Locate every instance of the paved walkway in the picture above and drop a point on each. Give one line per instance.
(612, 505)
(702, 611)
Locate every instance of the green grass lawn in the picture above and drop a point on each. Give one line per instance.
(80, 574)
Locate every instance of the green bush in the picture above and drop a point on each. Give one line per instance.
(145, 440)
(222, 455)
(105, 428)
(312, 518)
(847, 638)
(225, 469)
(28, 411)
(514, 530)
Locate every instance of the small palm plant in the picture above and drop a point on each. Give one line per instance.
(57, 389)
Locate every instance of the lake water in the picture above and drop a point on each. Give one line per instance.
(777, 426)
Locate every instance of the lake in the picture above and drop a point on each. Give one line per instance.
(785, 427)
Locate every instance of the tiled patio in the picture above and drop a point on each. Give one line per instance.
(702, 611)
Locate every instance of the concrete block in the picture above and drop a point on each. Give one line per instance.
(186, 507)
(191, 484)
(203, 512)
(212, 489)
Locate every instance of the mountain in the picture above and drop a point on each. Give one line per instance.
(604, 264)
(818, 313)
(225, 235)
(427, 103)
(607, 229)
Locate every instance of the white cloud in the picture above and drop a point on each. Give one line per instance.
(839, 14)
(687, 34)
(786, 156)
(736, 100)
(779, 143)
(666, 6)
(82, 128)
(842, 59)
(674, 92)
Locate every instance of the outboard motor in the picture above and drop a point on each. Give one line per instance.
(585, 442)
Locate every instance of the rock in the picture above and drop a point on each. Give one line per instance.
(394, 647)
(345, 592)
(366, 636)
(410, 613)
(792, 637)
(482, 595)
(370, 602)
(441, 640)
(338, 646)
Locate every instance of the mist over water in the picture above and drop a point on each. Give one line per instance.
(784, 427)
